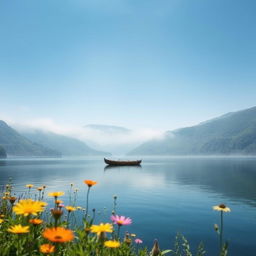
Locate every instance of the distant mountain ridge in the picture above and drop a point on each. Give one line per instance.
(66, 145)
(232, 133)
(15, 144)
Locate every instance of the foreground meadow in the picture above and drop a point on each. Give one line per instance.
(31, 224)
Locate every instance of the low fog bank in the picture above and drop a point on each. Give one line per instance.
(106, 138)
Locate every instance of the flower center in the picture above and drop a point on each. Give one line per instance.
(58, 237)
(223, 206)
(120, 222)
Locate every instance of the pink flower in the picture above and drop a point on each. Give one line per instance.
(138, 241)
(121, 220)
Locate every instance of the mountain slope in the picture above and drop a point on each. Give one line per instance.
(66, 145)
(16, 145)
(233, 133)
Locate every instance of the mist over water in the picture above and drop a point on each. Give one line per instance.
(164, 196)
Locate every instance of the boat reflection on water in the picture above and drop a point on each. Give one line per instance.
(116, 167)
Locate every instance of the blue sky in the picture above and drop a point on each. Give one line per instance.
(159, 64)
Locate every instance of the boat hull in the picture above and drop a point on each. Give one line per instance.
(122, 163)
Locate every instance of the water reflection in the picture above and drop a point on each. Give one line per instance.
(2, 162)
(163, 196)
(234, 178)
(120, 168)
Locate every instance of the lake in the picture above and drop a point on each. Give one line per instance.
(164, 196)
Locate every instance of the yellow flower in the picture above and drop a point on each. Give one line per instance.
(221, 207)
(47, 248)
(36, 221)
(79, 208)
(1, 221)
(18, 229)
(29, 186)
(102, 228)
(56, 194)
(28, 206)
(112, 244)
(133, 235)
(70, 208)
(58, 235)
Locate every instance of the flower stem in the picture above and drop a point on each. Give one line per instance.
(68, 218)
(55, 222)
(87, 203)
(118, 231)
(221, 230)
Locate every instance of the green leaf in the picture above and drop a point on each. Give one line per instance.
(166, 251)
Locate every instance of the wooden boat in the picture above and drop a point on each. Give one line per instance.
(122, 163)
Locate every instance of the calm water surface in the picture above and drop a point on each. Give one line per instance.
(163, 197)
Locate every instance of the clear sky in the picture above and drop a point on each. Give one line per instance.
(159, 64)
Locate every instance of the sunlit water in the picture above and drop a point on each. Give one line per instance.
(163, 197)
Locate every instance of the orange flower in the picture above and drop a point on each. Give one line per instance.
(58, 202)
(36, 221)
(47, 248)
(58, 235)
(90, 183)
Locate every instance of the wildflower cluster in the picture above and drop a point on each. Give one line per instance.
(29, 227)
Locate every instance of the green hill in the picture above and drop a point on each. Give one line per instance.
(15, 144)
(66, 145)
(233, 133)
